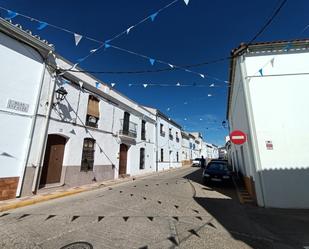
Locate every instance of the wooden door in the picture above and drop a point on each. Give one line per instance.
(123, 159)
(126, 123)
(52, 167)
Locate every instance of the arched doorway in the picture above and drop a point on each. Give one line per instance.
(123, 159)
(53, 160)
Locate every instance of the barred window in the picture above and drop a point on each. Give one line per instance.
(88, 155)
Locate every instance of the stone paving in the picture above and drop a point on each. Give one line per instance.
(170, 210)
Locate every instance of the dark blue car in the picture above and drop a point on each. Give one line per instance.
(217, 171)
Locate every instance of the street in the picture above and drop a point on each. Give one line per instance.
(165, 210)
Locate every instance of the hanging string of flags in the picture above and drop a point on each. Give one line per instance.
(78, 37)
(106, 44)
(178, 85)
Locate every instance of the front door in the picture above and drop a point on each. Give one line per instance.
(123, 159)
(52, 167)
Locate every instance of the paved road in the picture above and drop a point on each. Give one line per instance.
(168, 210)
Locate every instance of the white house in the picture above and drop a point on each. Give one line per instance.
(186, 150)
(23, 71)
(64, 129)
(168, 142)
(267, 100)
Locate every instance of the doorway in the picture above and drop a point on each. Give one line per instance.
(123, 159)
(53, 160)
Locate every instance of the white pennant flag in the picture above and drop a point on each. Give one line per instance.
(129, 29)
(77, 38)
(202, 75)
(272, 61)
(209, 95)
(168, 109)
(113, 84)
(81, 84)
(93, 50)
(171, 65)
(178, 84)
(186, 2)
(212, 85)
(145, 85)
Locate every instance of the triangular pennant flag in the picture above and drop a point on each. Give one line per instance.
(168, 109)
(93, 50)
(10, 15)
(261, 71)
(81, 84)
(106, 45)
(113, 84)
(101, 151)
(272, 61)
(192, 231)
(178, 84)
(74, 217)
(77, 38)
(152, 61)
(42, 25)
(186, 1)
(202, 75)
(23, 216)
(209, 95)
(73, 132)
(50, 216)
(125, 218)
(150, 218)
(153, 16)
(100, 218)
(201, 119)
(212, 85)
(145, 85)
(185, 119)
(172, 66)
(130, 85)
(97, 84)
(129, 29)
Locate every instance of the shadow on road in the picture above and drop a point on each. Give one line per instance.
(256, 227)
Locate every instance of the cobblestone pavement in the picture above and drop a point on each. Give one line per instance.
(169, 210)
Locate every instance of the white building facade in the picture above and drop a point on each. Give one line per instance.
(267, 101)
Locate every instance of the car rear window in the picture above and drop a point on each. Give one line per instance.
(218, 166)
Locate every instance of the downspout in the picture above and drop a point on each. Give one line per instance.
(44, 139)
(253, 147)
(22, 175)
(157, 145)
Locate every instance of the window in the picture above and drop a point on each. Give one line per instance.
(88, 154)
(142, 158)
(162, 132)
(170, 134)
(143, 135)
(162, 155)
(177, 137)
(177, 157)
(93, 113)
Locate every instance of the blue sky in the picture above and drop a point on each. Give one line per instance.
(182, 35)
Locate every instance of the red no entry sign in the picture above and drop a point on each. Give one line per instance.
(238, 137)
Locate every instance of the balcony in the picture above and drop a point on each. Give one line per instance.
(128, 133)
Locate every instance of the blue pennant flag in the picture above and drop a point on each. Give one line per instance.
(10, 15)
(287, 47)
(106, 45)
(97, 84)
(152, 61)
(153, 16)
(42, 25)
(261, 71)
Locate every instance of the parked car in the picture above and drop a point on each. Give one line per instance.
(196, 162)
(217, 171)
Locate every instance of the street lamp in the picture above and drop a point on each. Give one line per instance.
(60, 94)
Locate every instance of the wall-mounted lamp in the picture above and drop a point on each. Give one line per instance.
(61, 93)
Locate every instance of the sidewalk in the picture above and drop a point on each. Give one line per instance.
(58, 193)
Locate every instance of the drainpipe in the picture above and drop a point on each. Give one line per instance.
(29, 144)
(44, 139)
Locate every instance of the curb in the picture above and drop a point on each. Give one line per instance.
(64, 193)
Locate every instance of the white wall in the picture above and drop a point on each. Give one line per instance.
(21, 73)
(165, 143)
(279, 105)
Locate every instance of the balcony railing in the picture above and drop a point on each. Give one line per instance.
(171, 136)
(129, 130)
